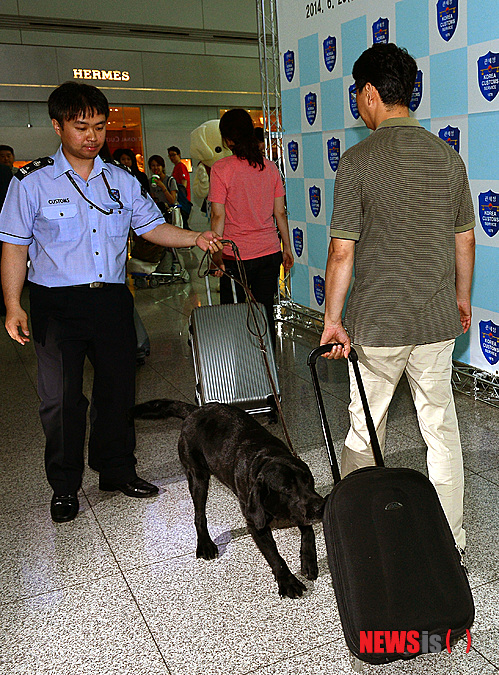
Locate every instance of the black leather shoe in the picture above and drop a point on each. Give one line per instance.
(64, 508)
(135, 488)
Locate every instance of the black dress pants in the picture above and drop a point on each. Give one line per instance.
(69, 324)
(262, 275)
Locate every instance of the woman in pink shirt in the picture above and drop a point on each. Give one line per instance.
(247, 203)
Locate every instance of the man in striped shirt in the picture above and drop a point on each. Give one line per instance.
(403, 215)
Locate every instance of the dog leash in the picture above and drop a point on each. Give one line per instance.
(252, 309)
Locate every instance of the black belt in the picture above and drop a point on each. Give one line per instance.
(94, 284)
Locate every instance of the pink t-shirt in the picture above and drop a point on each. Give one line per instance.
(248, 196)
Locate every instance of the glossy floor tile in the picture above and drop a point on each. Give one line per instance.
(119, 590)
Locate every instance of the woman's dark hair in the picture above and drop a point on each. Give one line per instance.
(237, 126)
(72, 99)
(174, 148)
(388, 68)
(118, 154)
(156, 158)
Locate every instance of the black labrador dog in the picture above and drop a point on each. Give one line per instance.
(268, 480)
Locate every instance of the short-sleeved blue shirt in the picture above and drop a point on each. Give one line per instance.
(70, 241)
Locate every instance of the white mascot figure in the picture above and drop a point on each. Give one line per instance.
(206, 148)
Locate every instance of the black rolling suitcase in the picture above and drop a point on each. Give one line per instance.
(397, 574)
(228, 363)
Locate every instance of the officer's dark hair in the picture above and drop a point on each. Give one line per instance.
(236, 126)
(388, 68)
(156, 158)
(173, 148)
(72, 99)
(6, 148)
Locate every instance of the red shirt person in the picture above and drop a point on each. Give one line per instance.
(180, 171)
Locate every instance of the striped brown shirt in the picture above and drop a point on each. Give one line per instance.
(402, 194)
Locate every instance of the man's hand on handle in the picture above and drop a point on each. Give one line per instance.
(336, 333)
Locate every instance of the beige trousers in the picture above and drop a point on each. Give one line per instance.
(428, 369)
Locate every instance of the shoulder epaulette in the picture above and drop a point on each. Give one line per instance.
(36, 164)
(115, 162)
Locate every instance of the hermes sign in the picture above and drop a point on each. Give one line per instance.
(87, 74)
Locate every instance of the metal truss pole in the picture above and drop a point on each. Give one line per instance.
(268, 50)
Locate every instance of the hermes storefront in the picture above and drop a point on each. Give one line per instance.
(156, 99)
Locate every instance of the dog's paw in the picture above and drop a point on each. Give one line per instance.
(310, 569)
(291, 587)
(207, 550)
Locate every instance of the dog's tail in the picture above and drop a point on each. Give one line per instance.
(161, 408)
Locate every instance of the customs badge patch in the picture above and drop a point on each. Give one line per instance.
(380, 31)
(311, 107)
(489, 341)
(298, 241)
(293, 154)
(451, 135)
(417, 94)
(488, 75)
(447, 14)
(352, 91)
(314, 194)
(329, 46)
(319, 289)
(289, 65)
(488, 211)
(333, 152)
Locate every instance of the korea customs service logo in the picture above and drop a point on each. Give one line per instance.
(293, 154)
(489, 341)
(488, 210)
(319, 289)
(447, 14)
(298, 241)
(488, 75)
(314, 194)
(329, 46)
(289, 65)
(380, 31)
(417, 94)
(451, 135)
(353, 101)
(311, 107)
(333, 152)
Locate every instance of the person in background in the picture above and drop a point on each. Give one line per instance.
(181, 175)
(403, 215)
(72, 212)
(128, 158)
(247, 202)
(8, 158)
(163, 188)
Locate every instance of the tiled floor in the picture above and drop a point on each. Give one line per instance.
(120, 591)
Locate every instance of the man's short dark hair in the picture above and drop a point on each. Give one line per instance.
(388, 68)
(173, 148)
(72, 99)
(6, 148)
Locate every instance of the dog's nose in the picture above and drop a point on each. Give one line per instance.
(315, 508)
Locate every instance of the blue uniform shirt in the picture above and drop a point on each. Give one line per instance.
(70, 240)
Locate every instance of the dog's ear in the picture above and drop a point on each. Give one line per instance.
(255, 511)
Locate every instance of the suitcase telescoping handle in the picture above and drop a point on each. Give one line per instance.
(354, 360)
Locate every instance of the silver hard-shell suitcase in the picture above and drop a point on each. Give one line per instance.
(228, 363)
